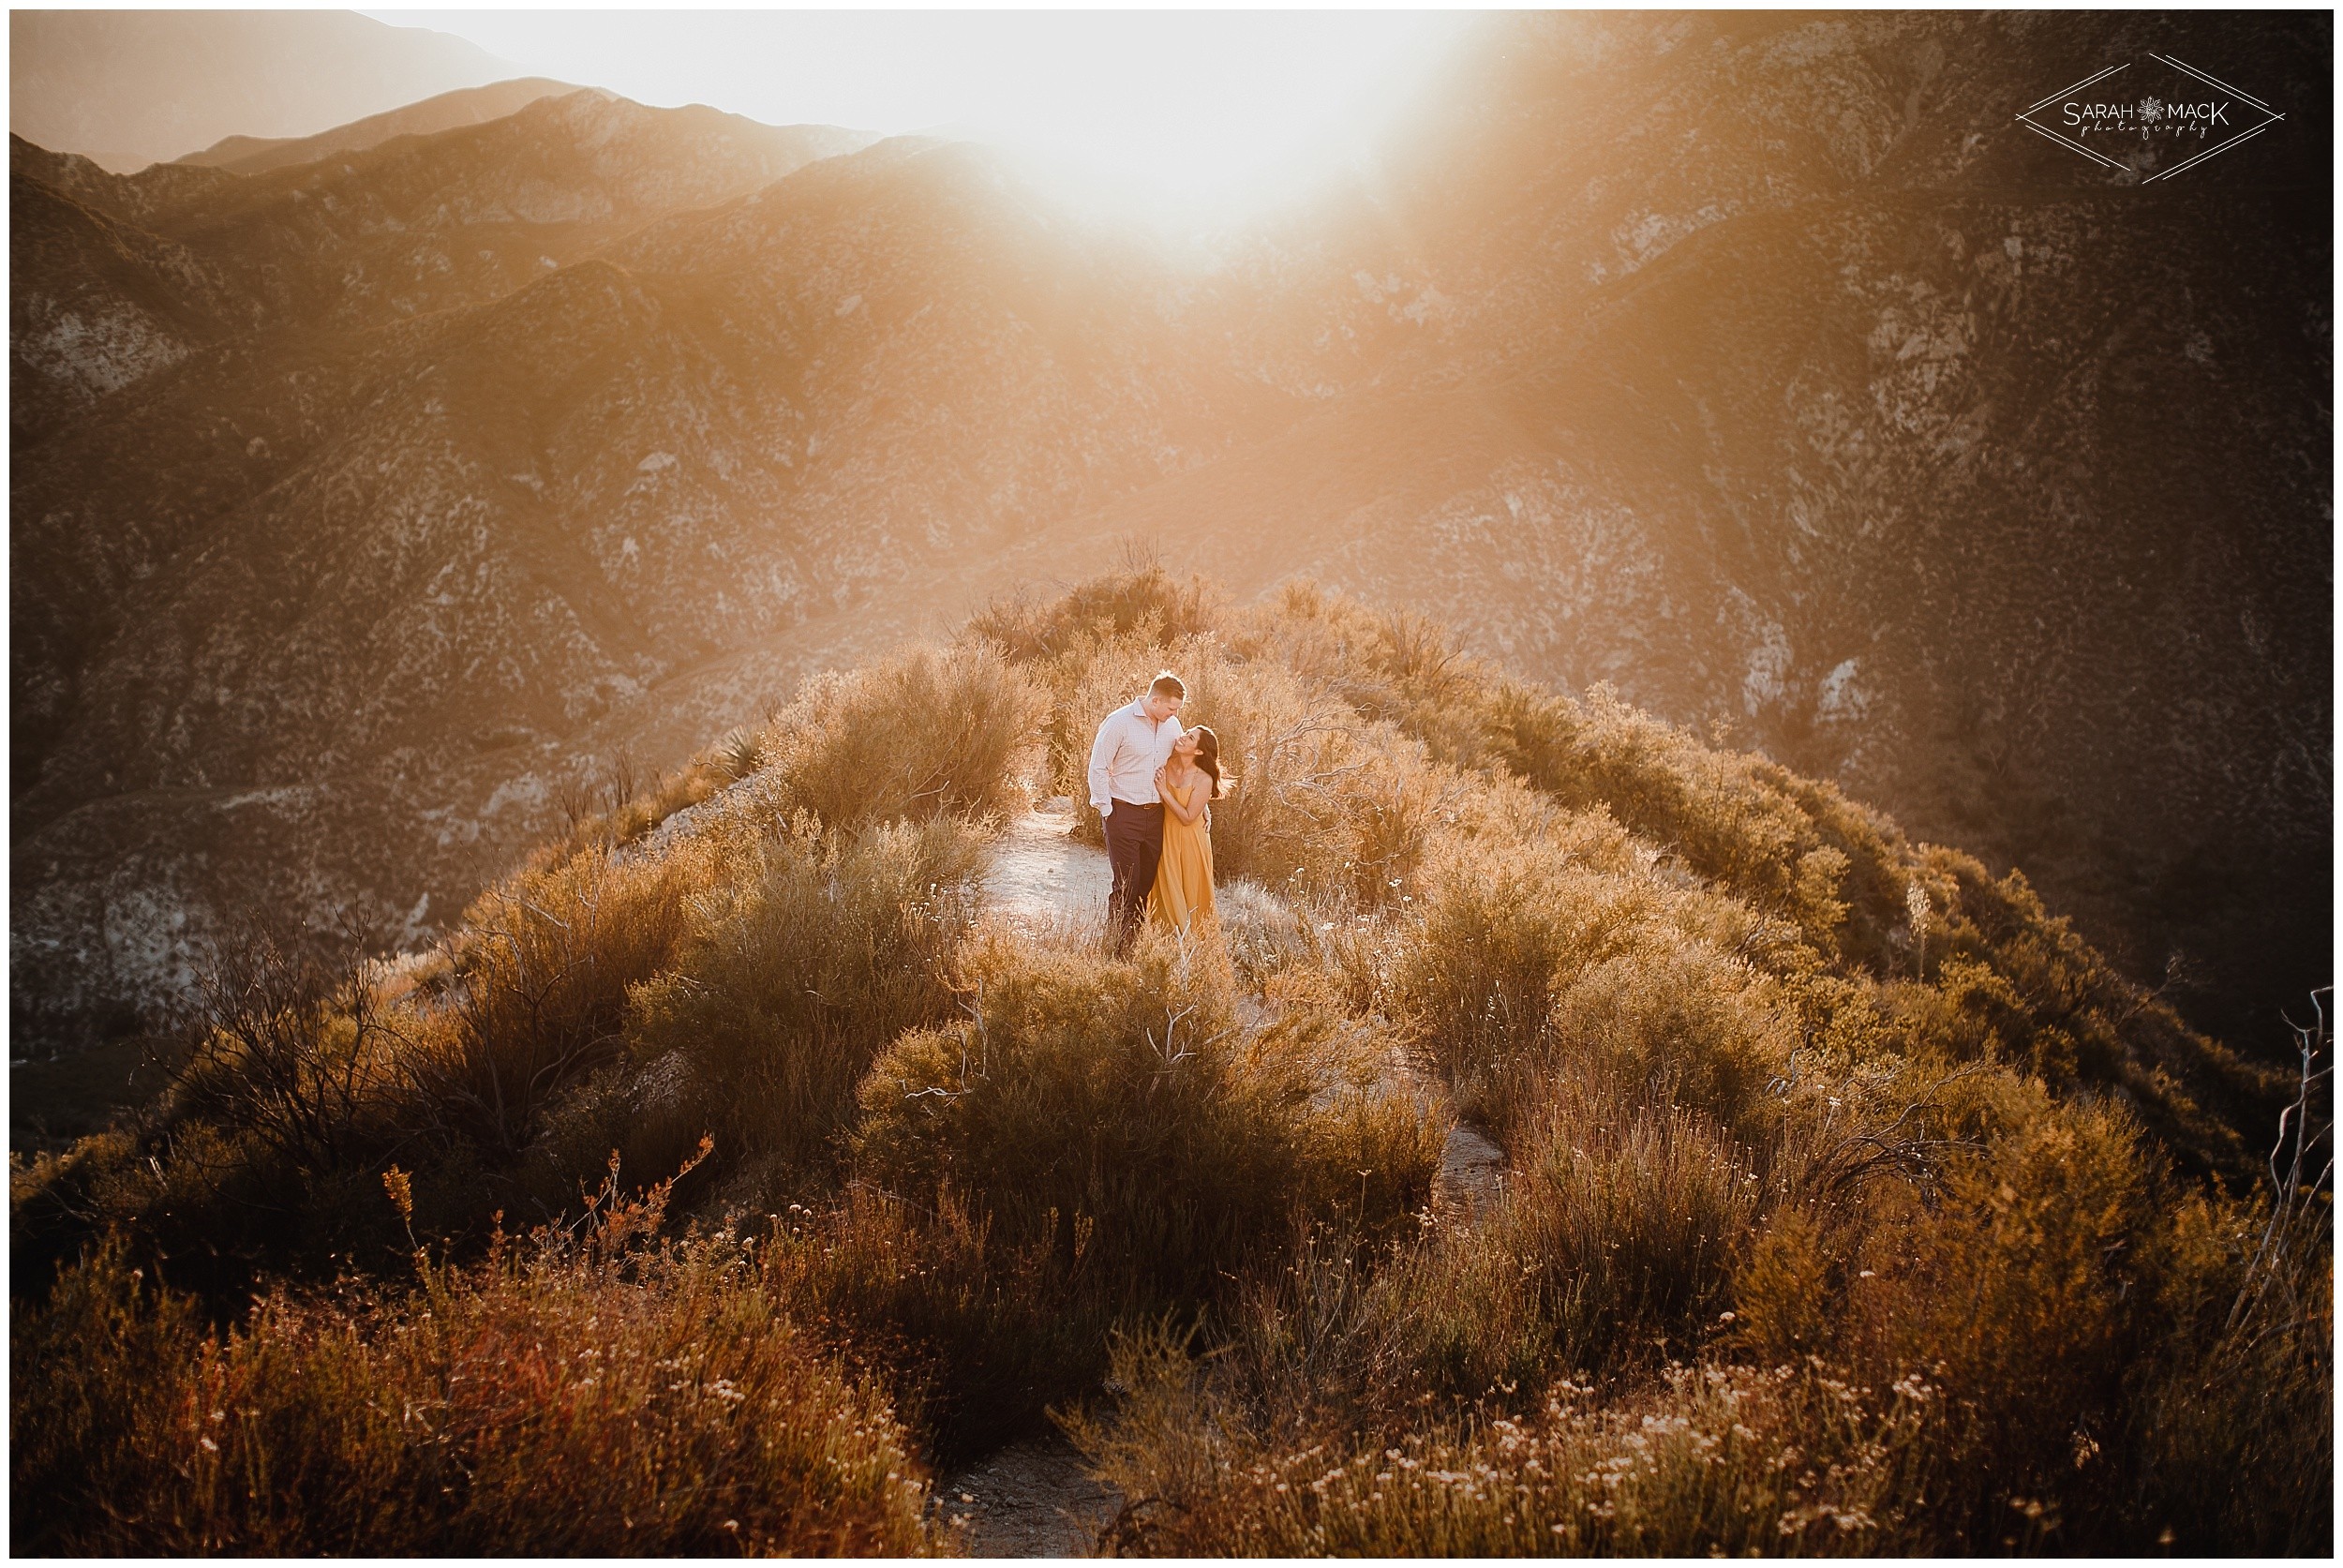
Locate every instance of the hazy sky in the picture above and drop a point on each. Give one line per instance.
(1194, 113)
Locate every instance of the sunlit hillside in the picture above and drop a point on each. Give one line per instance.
(739, 1165)
(370, 511)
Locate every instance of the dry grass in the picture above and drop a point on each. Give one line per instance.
(1713, 1461)
(564, 1396)
(1854, 1205)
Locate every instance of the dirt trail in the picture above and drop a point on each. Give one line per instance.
(1472, 1171)
(1034, 1499)
(1041, 876)
(1029, 1499)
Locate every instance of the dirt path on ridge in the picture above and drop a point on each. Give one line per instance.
(1034, 1499)
(1039, 876)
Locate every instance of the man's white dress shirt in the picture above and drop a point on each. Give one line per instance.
(1123, 759)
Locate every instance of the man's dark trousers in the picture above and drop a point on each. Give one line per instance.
(1134, 848)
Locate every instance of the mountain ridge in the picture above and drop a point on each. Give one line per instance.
(463, 106)
(133, 88)
(1616, 430)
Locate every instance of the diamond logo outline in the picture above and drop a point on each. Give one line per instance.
(2075, 144)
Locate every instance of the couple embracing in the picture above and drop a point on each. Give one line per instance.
(1153, 783)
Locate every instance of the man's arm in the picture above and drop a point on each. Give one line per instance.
(1101, 757)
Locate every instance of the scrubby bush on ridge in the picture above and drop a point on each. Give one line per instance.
(1821, 1143)
(564, 1396)
(1122, 1108)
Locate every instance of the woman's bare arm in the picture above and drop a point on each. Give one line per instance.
(1188, 816)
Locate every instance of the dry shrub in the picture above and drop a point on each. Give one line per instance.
(1146, 604)
(1674, 1013)
(922, 733)
(559, 1399)
(1630, 1217)
(1476, 978)
(2016, 1291)
(1498, 928)
(1796, 849)
(1112, 1104)
(1529, 958)
(815, 950)
(1791, 846)
(1706, 1461)
(1121, 1106)
(1390, 664)
(2070, 1299)
(1373, 1150)
(542, 967)
(2233, 1416)
(1613, 1244)
(288, 1049)
(1326, 804)
(979, 1338)
(1918, 1366)
(1262, 933)
(620, 813)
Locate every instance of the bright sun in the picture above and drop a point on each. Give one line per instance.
(1188, 118)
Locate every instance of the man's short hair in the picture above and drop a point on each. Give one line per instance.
(1167, 686)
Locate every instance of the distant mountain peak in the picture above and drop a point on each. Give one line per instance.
(464, 106)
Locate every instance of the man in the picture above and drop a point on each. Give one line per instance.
(1133, 743)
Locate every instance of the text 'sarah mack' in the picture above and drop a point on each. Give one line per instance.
(2199, 117)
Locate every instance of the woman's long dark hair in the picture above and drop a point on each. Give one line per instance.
(1208, 757)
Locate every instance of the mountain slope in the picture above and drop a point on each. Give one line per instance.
(473, 213)
(130, 88)
(1766, 374)
(97, 305)
(1845, 1186)
(1754, 365)
(466, 106)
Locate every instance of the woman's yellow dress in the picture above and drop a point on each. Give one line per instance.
(1183, 891)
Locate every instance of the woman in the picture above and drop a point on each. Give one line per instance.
(1189, 783)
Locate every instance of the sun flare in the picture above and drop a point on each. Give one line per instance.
(1185, 117)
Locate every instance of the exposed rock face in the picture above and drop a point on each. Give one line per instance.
(1754, 365)
(1763, 368)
